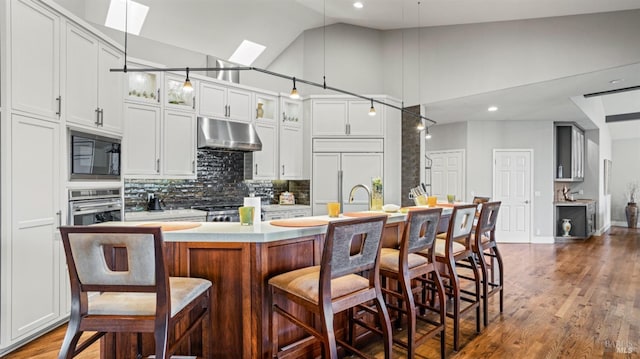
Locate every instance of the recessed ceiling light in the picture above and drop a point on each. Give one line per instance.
(615, 81)
(136, 15)
(247, 53)
(492, 109)
(358, 5)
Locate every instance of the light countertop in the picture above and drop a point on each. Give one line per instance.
(262, 232)
(284, 207)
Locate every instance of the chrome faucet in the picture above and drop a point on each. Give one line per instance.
(360, 186)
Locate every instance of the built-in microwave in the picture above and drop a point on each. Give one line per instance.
(94, 157)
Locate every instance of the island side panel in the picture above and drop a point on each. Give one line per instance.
(269, 260)
(227, 266)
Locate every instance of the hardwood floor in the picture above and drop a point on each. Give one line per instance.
(576, 299)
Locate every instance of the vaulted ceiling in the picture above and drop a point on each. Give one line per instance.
(216, 27)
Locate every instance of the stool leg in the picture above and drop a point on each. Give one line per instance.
(385, 324)
(326, 318)
(407, 294)
(70, 338)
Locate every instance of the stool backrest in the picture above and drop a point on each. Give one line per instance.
(90, 250)
(337, 257)
(420, 231)
(487, 219)
(461, 223)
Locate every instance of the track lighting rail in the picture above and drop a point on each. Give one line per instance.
(275, 74)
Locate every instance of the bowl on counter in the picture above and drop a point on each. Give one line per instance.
(390, 208)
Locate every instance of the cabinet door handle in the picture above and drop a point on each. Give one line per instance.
(59, 215)
(340, 189)
(59, 99)
(102, 117)
(256, 169)
(158, 165)
(158, 95)
(284, 116)
(193, 166)
(256, 113)
(97, 123)
(283, 170)
(194, 103)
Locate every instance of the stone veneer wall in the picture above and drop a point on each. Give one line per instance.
(220, 180)
(410, 154)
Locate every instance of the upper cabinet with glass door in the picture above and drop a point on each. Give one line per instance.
(266, 107)
(144, 87)
(177, 95)
(291, 112)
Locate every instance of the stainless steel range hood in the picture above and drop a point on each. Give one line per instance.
(227, 135)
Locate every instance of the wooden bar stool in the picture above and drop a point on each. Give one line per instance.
(451, 251)
(407, 267)
(341, 282)
(140, 299)
(486, 250)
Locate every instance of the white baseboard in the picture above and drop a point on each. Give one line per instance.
(542, 240)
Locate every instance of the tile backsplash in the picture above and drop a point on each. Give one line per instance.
(220, 180)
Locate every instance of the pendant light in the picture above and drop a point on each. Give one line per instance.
(187, 87)
(372, 110)
(294, 91)
(420, 126)
(428, 135)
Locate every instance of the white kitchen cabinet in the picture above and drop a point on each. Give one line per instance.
(225, 102)
(35, 59)
(265, 162)
(93, 94)
(291, 140)
(176, 96)
(31, 258)
(335, 173)
(179, 144)
(341, 117)
(291, 153)
(159, 145)
(141, 143)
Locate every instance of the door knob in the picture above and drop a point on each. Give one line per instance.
(526, 202)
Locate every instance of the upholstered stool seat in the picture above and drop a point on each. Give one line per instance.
(183, 291)
(305, 284)
(441, 246)
(389, 259)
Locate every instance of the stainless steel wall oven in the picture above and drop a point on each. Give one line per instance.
(91, 206)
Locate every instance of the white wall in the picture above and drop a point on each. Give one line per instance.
(483, 137)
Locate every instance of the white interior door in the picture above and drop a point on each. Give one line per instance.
(447, 174)
(512, 186)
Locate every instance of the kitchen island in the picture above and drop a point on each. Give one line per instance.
(239, 260)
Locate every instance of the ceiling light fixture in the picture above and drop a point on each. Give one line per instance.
(428, 135)
(187, 83)
(294, 91)
(492, 109)
(358, 5)
(372, 110)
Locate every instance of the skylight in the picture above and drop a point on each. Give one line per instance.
(136, 15)
(247, 53)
